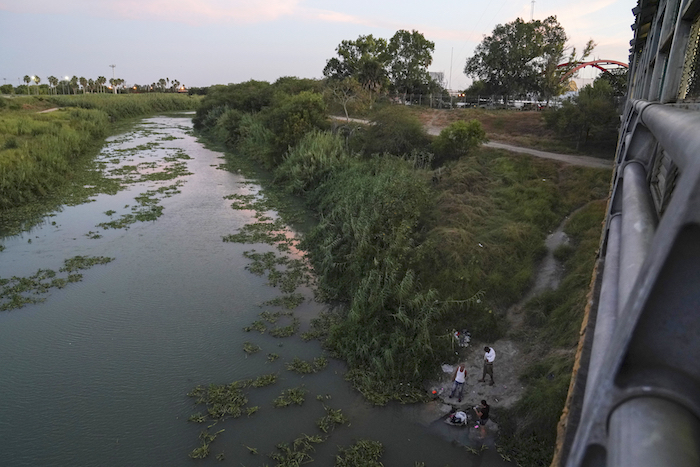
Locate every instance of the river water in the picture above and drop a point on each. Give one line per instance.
(97, 375)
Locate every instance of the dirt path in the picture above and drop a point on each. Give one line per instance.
(583, 161)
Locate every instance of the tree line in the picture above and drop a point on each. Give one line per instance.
(82, 85)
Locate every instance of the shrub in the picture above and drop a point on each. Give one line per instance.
(292, 116)
(311, 162)
(458, 140)
(396, 131)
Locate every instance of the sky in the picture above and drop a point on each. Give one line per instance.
(205, 42)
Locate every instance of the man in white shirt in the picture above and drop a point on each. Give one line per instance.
(459, 376)
(489, 357)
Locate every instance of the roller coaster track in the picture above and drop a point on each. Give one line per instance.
(634, 399)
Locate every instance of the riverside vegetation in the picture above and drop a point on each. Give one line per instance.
(46, 157)
(419, 237)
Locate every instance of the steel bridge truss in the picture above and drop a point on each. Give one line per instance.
(636, 399)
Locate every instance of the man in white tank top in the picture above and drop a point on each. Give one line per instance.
(459, 376)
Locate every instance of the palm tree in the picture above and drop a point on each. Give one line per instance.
(27, 79)
(91, 85)
(101, 80)
(53, 82)
(83, 83)
(74, 84)
(37, 80)
(161, 83)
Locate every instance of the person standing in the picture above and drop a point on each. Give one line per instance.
(459, 376)
(489, 357)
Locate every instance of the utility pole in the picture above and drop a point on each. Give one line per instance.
(451, 52)
(114, 86)
(532, 11)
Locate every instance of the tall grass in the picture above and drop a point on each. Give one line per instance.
(38, 151)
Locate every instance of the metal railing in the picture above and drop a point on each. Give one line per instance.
(638, 397)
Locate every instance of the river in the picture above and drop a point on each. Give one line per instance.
(98, 373)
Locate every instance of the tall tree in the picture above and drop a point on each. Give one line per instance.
(101, 81)
(411, 55)
(83, 82)
(365, 60)
(552, 82)
(53, 82)
(514, 57)
(74, 84)
(27, 79)
(36, 80)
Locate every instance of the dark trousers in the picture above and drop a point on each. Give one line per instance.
(488, 370)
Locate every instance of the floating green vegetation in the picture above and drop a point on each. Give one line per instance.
(291, 396)
(331, 419)
(269, 233)
(206, 438)
(295, 273)
(364, 452)
(16, 292)
(250, 348)
(197, 418)
(286, 331)
(169, 138)
(288, 301)
(264, 380)
(2, 247)
(251, 410)
(93, 235)
(256, 203)
(220, 457)
(272, 318)
(271, 357)
(147, 208)
(110, 213)
(304, 368)
(222, 400)
(77, 263)
(256, 326)
(298, 453)
(179, 154)
(379, 392)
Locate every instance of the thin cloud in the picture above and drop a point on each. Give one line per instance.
(195, 12)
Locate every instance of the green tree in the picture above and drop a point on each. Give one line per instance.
(101, 81)
(589, 119)
(411, 54)
(53, 82)
(83, 83)
(27, 79)
(343, 92)
(552, 80)
(617, 79)
(36, 80)
(365, 59)
(514, 57)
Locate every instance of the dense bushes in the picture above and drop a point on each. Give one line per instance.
(590, 119)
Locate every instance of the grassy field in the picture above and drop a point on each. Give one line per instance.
(519, 128)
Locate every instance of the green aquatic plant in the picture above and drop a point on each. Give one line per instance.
(286, 331)
(331, 419)
(304, 368)
(257, 325)
(298, 453)
(220, 457)
(250, 348)
(288, 301)
(264, 380)
(364, 452)
(16, 292)
(291, 396)
(251, 410)
(271, 357)
(222, 401)
(197, 418)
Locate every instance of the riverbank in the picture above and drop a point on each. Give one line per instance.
(42, 152)
(417, 253)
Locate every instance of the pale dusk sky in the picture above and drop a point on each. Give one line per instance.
(204, 42)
